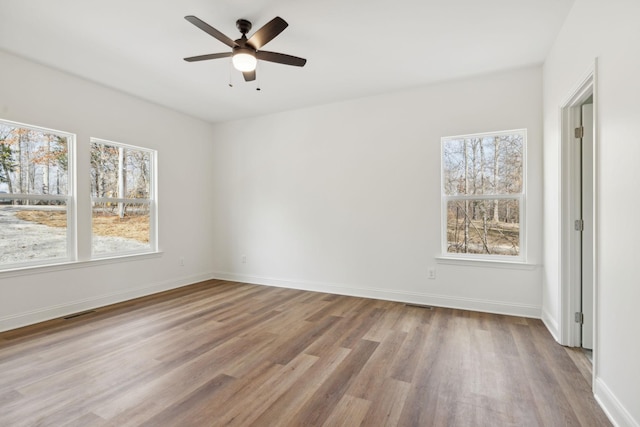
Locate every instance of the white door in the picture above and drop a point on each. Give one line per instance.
(587, 234)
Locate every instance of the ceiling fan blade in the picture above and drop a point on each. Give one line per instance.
(249, 75)
(209, 56)
(280, 58)
(210, 30)
(268, 32)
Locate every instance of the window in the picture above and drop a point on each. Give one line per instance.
(483, 194)
(122, 198)
(36, 205)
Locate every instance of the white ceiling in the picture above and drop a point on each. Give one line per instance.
(354, 48)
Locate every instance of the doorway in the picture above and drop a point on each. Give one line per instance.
(578, 208)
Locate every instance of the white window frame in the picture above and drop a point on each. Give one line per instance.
(69, 199)
(521, 197)
(151, 201)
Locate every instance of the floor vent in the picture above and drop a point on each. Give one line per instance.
(82, 313)
(428, 307)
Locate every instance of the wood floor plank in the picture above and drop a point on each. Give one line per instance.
(386, 407)
(578, 356)
(379, 330)
(318, 408)
(135, 415)
(350, 411)
(89, 419)
(291, 346)
(193, 406)
(375, 372)
(301, 391)
(410, 354)
(224, 353)
(242, 413)
(360, 325)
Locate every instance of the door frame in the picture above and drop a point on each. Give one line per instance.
(570, 262)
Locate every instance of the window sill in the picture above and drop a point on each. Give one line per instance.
(485, 263)
(71, 265)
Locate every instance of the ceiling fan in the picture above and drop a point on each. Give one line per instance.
(246, 52)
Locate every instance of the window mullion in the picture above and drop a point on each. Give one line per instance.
(120, 200)
(514, 196)
(35, 197)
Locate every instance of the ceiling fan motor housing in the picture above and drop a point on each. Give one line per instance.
(243, 26)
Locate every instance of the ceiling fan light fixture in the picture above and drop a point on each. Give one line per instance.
(245, 52)
(244, 60)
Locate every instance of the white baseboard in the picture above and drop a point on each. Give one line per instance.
(498, 307)
(53, 312)
(617, 413)
(551, 324)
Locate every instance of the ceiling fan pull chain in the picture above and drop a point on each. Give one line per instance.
(257, 79)
(230, 73)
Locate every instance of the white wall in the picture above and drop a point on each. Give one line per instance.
(346, 197)
(609, 31)
(37, 95)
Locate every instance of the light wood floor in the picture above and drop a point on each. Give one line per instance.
(222, 353)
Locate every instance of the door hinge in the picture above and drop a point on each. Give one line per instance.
(578, 225)
(579, 132)
(578, 317)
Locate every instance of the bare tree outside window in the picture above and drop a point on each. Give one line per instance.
(35, 195)
(483, 193)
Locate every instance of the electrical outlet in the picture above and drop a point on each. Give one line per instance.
(431, 273)
(244, 259)
(181, 261)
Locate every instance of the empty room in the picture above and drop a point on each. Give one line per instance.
(294, 213)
